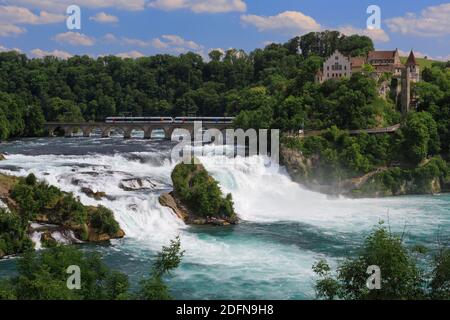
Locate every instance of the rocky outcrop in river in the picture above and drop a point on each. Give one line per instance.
(197, 198)
(33, 210)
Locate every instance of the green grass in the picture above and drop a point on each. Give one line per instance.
(423, 63)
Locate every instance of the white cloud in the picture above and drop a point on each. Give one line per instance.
(103, 17)
(20, 15)
(377, 35)
(136, 42)
(159, 44)
(109, 38)
(290, 22)
(169, 42)
(130, 54)
(74, 39)
(39, 53)
(3, 49)
(177, 41)
(7, 30)
(201, 6)
(432, 21)
(268, 42)
(12, 16)
(61, 5)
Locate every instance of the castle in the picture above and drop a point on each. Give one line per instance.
(376, 63)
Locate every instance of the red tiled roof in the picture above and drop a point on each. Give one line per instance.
(357, 62)
(381, 55)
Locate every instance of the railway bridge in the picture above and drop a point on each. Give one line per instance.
(87, 128)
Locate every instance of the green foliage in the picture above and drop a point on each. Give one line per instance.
(13, 236)
(398, 181)
(43, 276)
(154, 288)
(440, 276)
(340, 156)
(36, 198)
(200, 192)
(102, 219)
(251, 86)
(419, 137)
(326, 42)
(400, 277)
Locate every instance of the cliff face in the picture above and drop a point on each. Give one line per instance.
(382, 182)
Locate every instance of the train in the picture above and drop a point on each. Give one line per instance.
(210, 120)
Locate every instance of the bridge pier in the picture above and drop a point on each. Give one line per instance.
(106, 133)
(148, 133)
(168, 132)
(68, 132)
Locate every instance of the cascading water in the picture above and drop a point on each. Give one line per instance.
(285, 228)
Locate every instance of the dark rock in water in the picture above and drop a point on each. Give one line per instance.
(2, 157)
(91, 194)
(52, 235)
(133, 207)
(141, 184)
(47, 240)
(10, 168)
(90, 173)
(77, 182)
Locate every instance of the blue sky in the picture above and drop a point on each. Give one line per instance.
(143, 27)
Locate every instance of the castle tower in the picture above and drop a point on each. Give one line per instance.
(406, 90)
(414, 69)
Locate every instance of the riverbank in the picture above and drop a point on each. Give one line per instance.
(431, 176)
(34, 214)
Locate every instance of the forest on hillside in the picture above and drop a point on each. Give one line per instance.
(270, 87)
(267, 88)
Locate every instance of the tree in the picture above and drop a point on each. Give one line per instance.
(419, 137)
(440, 281)
(154, 288)
(400, 277)
(43, 276)
(34, 121)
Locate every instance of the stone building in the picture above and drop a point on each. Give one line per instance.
(357, 63)
(386, 62)
(336, 66)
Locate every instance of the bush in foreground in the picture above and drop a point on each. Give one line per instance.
(401, 277)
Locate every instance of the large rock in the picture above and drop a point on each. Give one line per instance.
(95, 236)
(135, 184)
(98, 195)
(169, 200)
